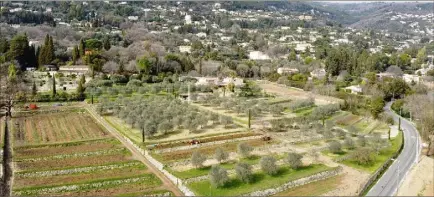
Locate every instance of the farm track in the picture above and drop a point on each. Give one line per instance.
(166, 182)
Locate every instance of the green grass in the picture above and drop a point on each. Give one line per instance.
(261, 181)
(384, 155)
(196, 172)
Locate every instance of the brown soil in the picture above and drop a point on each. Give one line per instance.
(59, 150)
(77, 178)
(208, 150)
(71, 162)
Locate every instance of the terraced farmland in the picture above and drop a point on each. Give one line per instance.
(54, 128)
(92, 164)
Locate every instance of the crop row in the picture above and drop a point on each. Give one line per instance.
(206, 150)
(78, 178)
(149, 179)
(60, 127)
(65, 148)
(206, 139)
(76, 155)
(77, 170)
(72, 162)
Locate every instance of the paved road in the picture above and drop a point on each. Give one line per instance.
(389, 183)
(166, 182)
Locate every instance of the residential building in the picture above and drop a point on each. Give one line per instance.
(185, 49)
(258, 55)
(286, 70)
(318, 73)
(411, 78)
(355, 89)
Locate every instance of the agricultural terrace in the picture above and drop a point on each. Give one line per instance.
(162, 118)
(191, 138)
(43, 128)
(294, 93)
(75, 157)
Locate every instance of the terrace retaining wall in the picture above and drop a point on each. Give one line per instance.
(316, 177)
(178, 182)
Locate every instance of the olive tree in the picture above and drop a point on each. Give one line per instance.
(220, 155)
(244, 149)
(244, 172)
(335, 147)
(268, 165)
(197, 159)
(218, 176)
(226, 120)
(363, 156)
(294, 160)
(349, 143)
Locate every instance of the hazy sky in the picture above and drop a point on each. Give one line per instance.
(376, 1)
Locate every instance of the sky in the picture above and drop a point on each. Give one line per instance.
(376, 1)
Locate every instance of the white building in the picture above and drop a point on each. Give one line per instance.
(286, 70)
(77, 70)
(185, 49)
(303, 47)
(355, 89)
(258, 55)
(411, 78)
(187, 19)
(133, 18)
(201, 35)
(318, 73)
(226, 38)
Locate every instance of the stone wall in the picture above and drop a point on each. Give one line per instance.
(298, 182)
(178, 182)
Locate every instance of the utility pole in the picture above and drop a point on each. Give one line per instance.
(250, 117)
(399, 123)
(143, 134)
(189, 94)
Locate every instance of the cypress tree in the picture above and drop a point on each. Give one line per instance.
(80, 90)
(50, 50)
(7, 161)
(82, 48)
(34, 89)
(107, 44)
(75, 54)
(38, 51)
(54, 86)
(82, 80)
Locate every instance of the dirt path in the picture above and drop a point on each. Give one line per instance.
(420, 179)
(293, 93)
(350, 182)
(166, 182)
